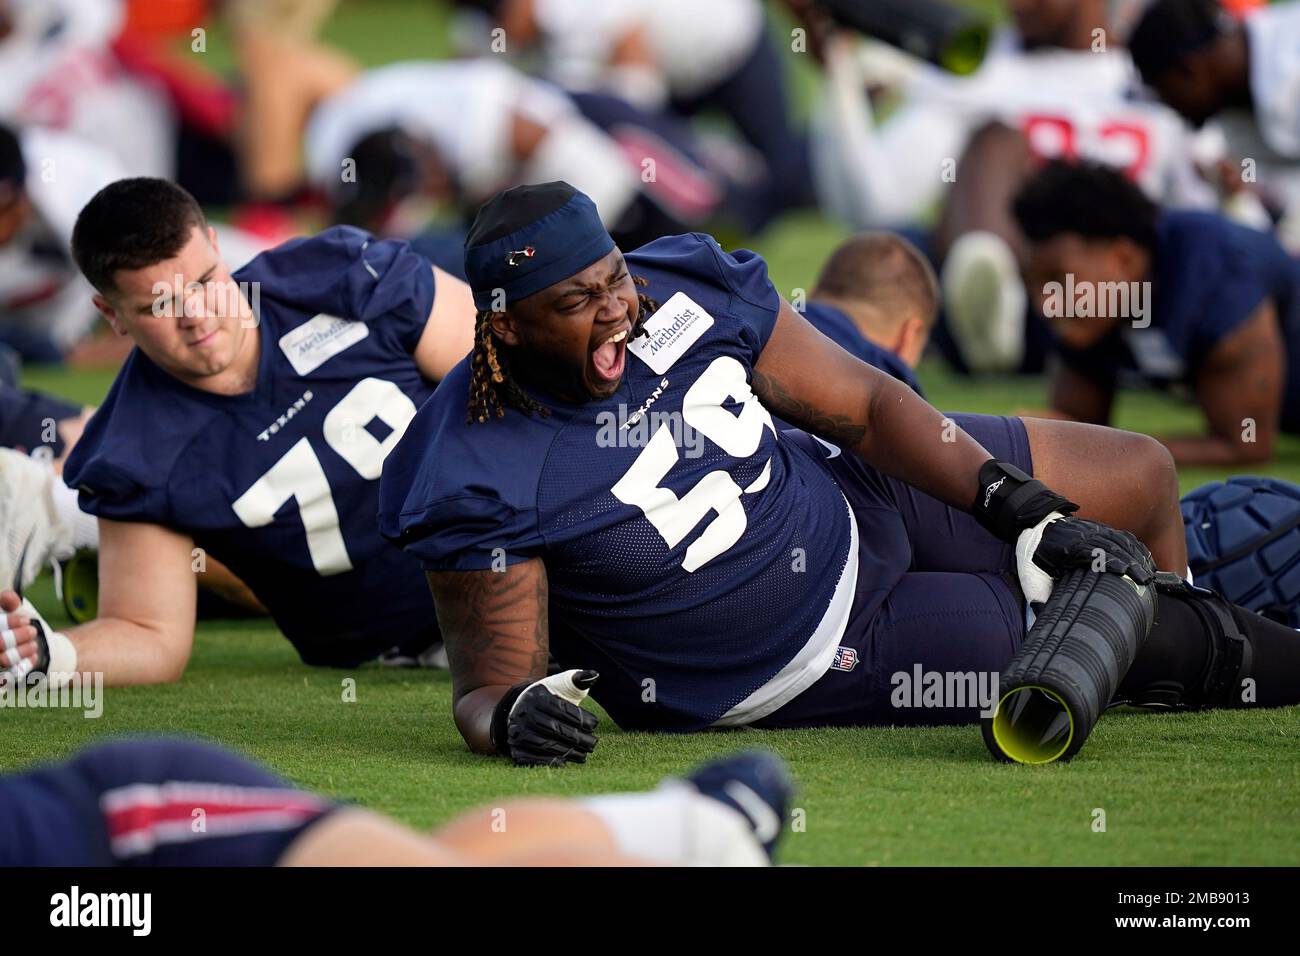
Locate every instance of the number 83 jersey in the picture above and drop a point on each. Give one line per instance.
(281, 483)
(692, 548)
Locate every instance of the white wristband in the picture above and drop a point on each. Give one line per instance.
(561, 685)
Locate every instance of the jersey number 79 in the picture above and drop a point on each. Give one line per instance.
(299, 475)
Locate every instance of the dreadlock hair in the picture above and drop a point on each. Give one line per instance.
(492, 389)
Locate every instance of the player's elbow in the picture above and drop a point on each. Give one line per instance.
(173, 656)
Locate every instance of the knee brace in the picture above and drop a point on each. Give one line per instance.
(1198, 653)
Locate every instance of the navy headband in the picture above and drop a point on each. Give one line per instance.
(536, 252)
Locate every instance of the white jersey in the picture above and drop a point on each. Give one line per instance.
(1273, 34)
(695, 44)
(1068, 103)
(40, 286)
(465, 109)
(57, 70)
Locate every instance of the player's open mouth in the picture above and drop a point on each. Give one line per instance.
(609, 357)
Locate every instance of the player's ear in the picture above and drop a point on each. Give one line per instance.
(212, 238)
(109, 313)
(910, 339)
(504, 328)
(1132, 258)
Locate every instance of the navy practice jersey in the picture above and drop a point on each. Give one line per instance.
(692, 552)
(132, 802)
(1208, 275)
(281, 483)
(841, 330)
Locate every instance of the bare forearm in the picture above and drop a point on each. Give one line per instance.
(911, 440)
(127, 653)
(897, 432)
(473, 714)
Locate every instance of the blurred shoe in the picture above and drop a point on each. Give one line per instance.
(755, 783)
(33, 534)
(984, 297)
(435, 655)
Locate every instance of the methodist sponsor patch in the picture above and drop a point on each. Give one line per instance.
(670, 332)
(309, 345)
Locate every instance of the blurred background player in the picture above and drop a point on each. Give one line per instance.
(876, 298)
(132, 802)
(401, 139)
(46, 176)
(1053, 83)
(60, 72)
(1213, 308)
(1238, 71)
(674, 56)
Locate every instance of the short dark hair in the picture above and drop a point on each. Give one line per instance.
(130, 224)
(13, 170)
(1088, 199)
(884, 269)
(387, 172)
(1168, 30)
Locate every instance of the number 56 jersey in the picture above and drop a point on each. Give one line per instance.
(281, 483)
(702, 560)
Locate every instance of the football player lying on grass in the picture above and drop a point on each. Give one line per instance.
(877, 298)
(133, 803)
(249, 423)
(603, 482)
(1174, 299)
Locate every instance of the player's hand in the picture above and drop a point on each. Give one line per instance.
(1058, 544)
(22, 645)
(545, 726)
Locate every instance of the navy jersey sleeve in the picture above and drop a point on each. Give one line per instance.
(459, 497)
(115, 471)
(740, 277)
(349, 273)
(1240, 286)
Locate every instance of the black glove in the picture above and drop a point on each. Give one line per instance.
(1078, 543)
(1010, 501)
(539, 723)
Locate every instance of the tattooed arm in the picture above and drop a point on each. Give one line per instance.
(809, 381)
(494, 625)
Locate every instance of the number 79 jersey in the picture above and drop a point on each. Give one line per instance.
(281, 484)
(692, 549)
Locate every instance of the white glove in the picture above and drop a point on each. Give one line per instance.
(60, 654)
(1034, 581)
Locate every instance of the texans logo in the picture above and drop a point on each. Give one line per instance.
(527, 252)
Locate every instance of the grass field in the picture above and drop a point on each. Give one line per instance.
(1214, 788)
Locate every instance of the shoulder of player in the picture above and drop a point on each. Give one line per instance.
(692, 256)
(142, 428)
(446, 472)
(273, 266)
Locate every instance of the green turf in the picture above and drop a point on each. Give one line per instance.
(1215, 788)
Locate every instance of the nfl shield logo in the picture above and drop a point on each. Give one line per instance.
(846, 658)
